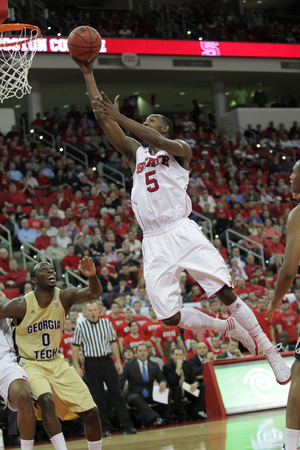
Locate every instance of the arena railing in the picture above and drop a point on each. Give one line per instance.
(101, 173)
(28, 249)
(69, 273)
(206, 224)
(230, 243)
(42, 135)
(7, 241)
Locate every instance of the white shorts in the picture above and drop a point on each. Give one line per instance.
(9, 372)
(168, 251)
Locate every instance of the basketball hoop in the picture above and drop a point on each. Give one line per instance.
(16, 55)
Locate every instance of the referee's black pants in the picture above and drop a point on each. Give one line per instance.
(99, 370)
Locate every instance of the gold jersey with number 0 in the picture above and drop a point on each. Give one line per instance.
(38, 336)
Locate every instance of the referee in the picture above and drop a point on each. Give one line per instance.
(98, 340)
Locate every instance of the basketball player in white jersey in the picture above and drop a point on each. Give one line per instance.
(172, 242)
(286, 276)
(14, 385)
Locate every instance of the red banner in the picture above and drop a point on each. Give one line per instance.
(161, 47)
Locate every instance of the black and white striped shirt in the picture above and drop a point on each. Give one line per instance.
(95, 338)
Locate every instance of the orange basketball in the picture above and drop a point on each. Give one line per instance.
(84, 43)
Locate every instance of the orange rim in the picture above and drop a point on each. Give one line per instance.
(20, 27)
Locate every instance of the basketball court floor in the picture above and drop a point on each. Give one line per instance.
(255, 431)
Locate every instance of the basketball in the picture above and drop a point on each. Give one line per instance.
(84, 43)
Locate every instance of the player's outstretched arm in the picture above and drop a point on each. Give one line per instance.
(290, 264)
(124, 144)
(175, 147)
(93, 292)
(12, 308)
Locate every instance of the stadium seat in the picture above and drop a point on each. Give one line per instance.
(11, 293)
(68, 191)
(45, 200)
(27, 209)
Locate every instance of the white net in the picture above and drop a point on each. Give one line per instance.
(16, 55)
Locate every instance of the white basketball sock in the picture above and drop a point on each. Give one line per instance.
(291, 439)
(95, 445)
(58, 442)
(193, 319)
(26, 444)
(245, 317)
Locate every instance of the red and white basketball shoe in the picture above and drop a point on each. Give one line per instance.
(236, 331)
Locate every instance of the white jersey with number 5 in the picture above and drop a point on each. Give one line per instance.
(159, 195)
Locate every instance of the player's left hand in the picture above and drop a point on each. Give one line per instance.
(104, 105)
(87, 267)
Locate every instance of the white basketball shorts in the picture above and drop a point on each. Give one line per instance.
(168, 251)
(9, 372)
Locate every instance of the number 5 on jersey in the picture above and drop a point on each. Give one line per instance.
(151, 182)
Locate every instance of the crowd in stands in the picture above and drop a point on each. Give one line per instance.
(65, 211)
(188, 21)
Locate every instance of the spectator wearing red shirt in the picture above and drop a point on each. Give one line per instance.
(14, 276)
(287, 320)
(42, 179)
(278, 210)
(115, 318)
(81, 203)
(70, 261)
(275, 251)
(135, 336)
(167, 333)
(34, 221)
(255, 287)
(103, 262)
(42, 242)
(222, 250)
(241, 289)
(141, 320)
(55, 220)
(123, 329)
(4, 261)
(121, 228)
(207, 182)
(259, 238)
(65, 346)
(150, 326)
(215, 345)
(262, 318)
(13, 197)
(38, 121)
(251, 266)
(193, 348)
(220, 210)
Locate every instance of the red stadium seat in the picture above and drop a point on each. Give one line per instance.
(46, 208)
(45, 200)
(68, 191)
(11, 293)
(27, 209)
(287, 205)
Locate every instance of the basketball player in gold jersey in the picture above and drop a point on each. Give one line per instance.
(39, 319)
